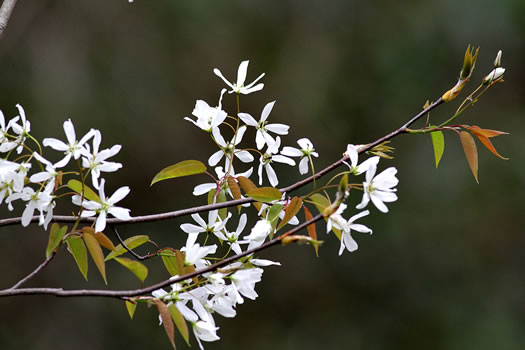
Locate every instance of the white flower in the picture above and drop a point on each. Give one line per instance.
(346, 236)
(203, 325)
(208, 117)
(96, 161)
(496, 74)
(355, 169)
(105, 206)
(228, 148)
(258, 234)
(214, 225)
(244, 282)
(5, 144)
(22, 130)
(194, 252)
(7, 175)
(262, 136)
(73, 148)
(41, 200)
(49, 174)
(269, 157)
(239, 87)
(305, 152)
(232, 237)
(379, 189)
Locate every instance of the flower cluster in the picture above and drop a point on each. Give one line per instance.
(39, 190)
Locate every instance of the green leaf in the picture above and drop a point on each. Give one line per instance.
(181, 324)
(265, 194)
(471, 152)
(166, 320)
(221, 198)
(96, 253)
(184, 168)
(320, 202)
(291, 210)
(89, 194)
(274, 212)
(137, 268)
(78, 250)
(438, 141)
(169, 258)
(131, 243)
(131, 308)
(55, 236)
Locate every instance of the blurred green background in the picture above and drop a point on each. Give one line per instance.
(443, 270)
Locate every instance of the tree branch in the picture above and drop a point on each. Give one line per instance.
(5, 14)
(232, 203)
(37, 270)
(123, 294)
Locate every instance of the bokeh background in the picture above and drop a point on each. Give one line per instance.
(443, 270)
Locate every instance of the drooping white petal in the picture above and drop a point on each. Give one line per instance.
(119, 213)
(244, 156)
(215, 157)
(281, 129)
(248, 119)
(303, 166)
(203, 188)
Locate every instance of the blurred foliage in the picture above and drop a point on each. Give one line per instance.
(443, 270)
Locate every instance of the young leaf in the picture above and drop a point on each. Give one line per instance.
(78, 250)
(471, 152)
(55, 236)
(274, 212)
(131, 307)
(184, 168)
(247, 185)
(311, 230)
(169, 259)
(137, 268)
(89, 194)
(165, 316)
(320, 201)
(235, 190)
(102, 239)
(131, 243)
(484, 134)
(181, 324)
(438, 141)
(265, 194)
(96, 253)
(291, 210)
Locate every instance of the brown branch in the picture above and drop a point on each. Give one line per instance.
(37, 270)
(124, 294)
(5, 14)
(232, 203)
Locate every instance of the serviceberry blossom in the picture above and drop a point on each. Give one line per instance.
(228, 148)
(202, 322)
(208, 117)
(213, 226)
(305, 152)
(244, 281)
(258, 234)
(73, 148)
(232, 238)
(262, 136)
(105, 206)
(194, 252)
(95, 160)
(36, 200)
(22, 130)
(5, 144)
(207, 187)
(7, 175)
(379, 188)
(269, 157)
(239, 87)
(49, 174)
(337, 221)
(355, 169)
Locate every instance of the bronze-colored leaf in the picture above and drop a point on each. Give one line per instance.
(167, 322)
(471, 152)
(311, 229)
(291, 210)
(235, 189)
(96, 253)
(476, 130)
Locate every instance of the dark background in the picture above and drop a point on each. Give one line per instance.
(443, 270)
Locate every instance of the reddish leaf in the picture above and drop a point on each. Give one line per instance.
(291, 210)
(486, 142)
(247, 185)
(471, 152)
(167, 322)
(476, 130)
(311, 229)
(235, 189)
(181, 324)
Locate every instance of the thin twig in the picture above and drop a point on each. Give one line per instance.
(123, 294)
(231, 203)
(5, 14)
(37, 270)
(138, 257)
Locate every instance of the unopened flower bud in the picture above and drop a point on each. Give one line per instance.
(496, 74)
(497, 61)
